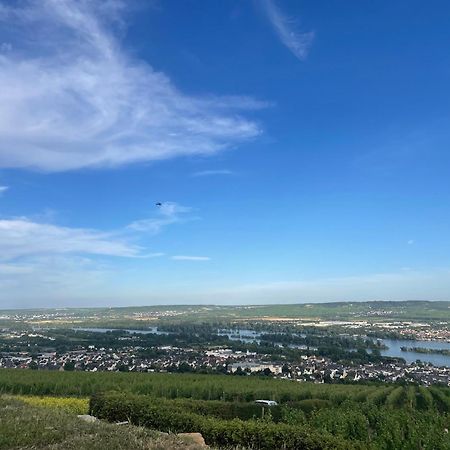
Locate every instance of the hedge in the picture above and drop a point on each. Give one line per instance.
(168, 417)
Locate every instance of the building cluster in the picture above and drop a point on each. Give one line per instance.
(69, 316)
(173, 359)
(426, 334)
(324, 370)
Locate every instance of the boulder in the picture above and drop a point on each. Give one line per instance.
(87, 418)
(197, 438)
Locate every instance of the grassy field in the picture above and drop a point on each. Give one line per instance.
(23, 426)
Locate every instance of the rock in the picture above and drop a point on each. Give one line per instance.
(87, 418)
(197, 438)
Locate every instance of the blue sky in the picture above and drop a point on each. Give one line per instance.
(300, 151)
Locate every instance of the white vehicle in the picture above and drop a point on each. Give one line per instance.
(266, 402)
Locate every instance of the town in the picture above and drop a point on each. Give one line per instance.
(224, 360)
(327, 343)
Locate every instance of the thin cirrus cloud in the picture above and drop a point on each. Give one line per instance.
(208, 173)
(3, 189)
(21, 237)
(53, 259)
(73, 97)
(168, 213)
(286, 28)
(190, 258)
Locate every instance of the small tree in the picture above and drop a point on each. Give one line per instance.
(33, 365)
(69, 366)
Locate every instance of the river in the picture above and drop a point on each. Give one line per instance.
(394, 350)
(436, 359)
(151, 330)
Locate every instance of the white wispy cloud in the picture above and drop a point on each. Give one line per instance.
(167, 214)
(206, 173)
(432, 284)
(59, 263)
(73, 97)
(3, 189)
(298, 42)
(190, 258)
(411, 242)
(20, 237)
(53, 260)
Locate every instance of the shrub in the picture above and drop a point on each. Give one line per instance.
(167, 416)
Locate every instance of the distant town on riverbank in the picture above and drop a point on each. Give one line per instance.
(323, 343)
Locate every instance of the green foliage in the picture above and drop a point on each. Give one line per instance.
(23, 426)
(164, 416)
(378, 396)
(424, 399)
(68, 404)
(202, 387)
(386, 428)
(396, 398)
(222, 408)
(293, 416)
(69, 366)
(227, 410)
(441, 401)
(234, 390)
(348, 425)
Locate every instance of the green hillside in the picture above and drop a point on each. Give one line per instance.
(308, 416)
(26, 427)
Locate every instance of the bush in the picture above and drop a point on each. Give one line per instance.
(312, 404)
(170, 417)
(351, 424)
